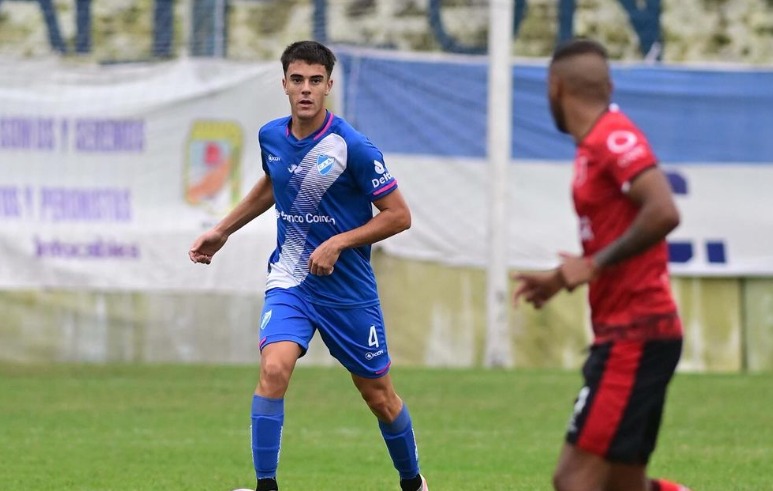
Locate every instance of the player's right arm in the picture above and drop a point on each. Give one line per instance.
(258, 201)
(656, 218)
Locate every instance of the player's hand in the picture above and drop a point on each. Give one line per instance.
(206, 245)
(537, 288)
(322, 260)
(577, 270)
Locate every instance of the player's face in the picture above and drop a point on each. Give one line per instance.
(554, 96)
(306, 86)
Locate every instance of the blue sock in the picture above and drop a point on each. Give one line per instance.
(267, 419)
(401, 444)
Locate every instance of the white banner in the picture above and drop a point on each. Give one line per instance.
(110, 173)
(724, 229)
(710, 128)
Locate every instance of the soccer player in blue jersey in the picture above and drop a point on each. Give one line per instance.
(322, 177)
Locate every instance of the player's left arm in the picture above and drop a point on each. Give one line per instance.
(393, 217)
(657, 216)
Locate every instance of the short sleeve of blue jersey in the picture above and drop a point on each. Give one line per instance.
(262, 153)
(367, 165)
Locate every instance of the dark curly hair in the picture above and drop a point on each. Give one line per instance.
(311, 52)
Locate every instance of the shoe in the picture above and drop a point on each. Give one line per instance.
(267, 484)
(424, 486)
(407, 484)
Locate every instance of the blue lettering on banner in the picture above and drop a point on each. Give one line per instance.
(56, 204)
(84, 204)
(682, 251)
(677, 181)
(10, 207)
(26, 133)
(107, 135)
(715, 251)
(92, 135)
(679, 251)
(90, 249)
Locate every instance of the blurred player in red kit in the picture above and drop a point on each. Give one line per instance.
(625, 209)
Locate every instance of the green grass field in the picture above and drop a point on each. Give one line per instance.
(81, 427)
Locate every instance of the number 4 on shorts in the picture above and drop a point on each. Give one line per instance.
(372, 337)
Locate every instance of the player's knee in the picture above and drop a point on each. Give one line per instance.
(386, 406)
(559, 482)
(562, 481)
(274, 377)
(376, 401)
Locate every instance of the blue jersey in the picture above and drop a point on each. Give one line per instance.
(323, 185)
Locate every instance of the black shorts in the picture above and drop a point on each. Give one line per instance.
(617, 413)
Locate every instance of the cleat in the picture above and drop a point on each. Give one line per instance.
(424, 486)
(407, 484)
(267, 484)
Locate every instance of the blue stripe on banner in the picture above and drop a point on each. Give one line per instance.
(438, 108)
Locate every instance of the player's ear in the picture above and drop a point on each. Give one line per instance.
(284, 84)
(329, 86)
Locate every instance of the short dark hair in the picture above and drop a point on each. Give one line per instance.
(579, 46)
(311, 52)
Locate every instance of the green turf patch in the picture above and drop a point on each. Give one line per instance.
(122, 428)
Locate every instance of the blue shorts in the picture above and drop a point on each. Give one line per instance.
(354, 335)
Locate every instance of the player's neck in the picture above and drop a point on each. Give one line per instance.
(584, 118)
(303, 127)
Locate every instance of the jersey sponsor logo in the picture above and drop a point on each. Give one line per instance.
(273, 158)
(373, 354)
(378, 167)
(304, 218)
(586, 230)
(324, 164)
(632, 156)
(265, 319)
(621, 141)
(294, 169)
(385, 178)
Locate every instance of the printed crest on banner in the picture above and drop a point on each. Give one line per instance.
(212, 170)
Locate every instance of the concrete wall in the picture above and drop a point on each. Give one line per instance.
(435, 317)
(440, 311)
